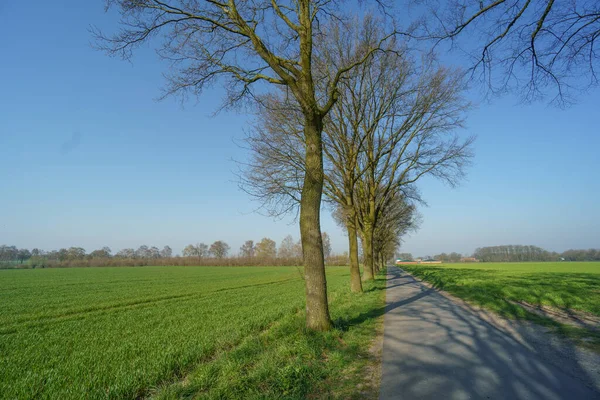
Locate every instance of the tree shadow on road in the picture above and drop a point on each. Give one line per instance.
(436, 347)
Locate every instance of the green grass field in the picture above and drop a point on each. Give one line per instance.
(171, 332)
(560, 285)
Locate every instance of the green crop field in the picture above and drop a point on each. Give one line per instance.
(496, 286)
(171, 332)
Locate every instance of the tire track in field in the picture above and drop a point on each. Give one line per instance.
(42, 320)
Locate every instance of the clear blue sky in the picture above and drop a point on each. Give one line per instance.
(88, 157)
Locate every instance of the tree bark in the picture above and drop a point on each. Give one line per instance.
(368, 274)
(317, 309)
(355, 283)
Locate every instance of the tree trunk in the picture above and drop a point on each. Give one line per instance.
(317, 309)
(355, 283)
(368, 274)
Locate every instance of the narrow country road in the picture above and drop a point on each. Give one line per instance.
(435, 348)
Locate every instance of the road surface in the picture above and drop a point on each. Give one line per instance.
(436, 348)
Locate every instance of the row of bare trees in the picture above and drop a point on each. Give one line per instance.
(512, 253)
(306, 53)
(266, 248)
(265, 252)
(218, 249)
(289, 253)
(392, 124)
(520, 253)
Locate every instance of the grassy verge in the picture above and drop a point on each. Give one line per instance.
(181, 332)
(286, 361)
(498, 287)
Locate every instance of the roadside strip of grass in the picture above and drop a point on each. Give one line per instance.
(286, 361)
(500, 288)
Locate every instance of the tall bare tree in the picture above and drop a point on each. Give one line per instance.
(286, 248)
(190, 251)
(202, 250)
(409, 133)
(247, 249)
(125, 253)
(399, 216)
(276, 172)
(244, 43)
(166, 252)
(326, 245)
(266, 249)
(219, 249)
(393, 124)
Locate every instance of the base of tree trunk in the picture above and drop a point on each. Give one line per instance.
(320, 324)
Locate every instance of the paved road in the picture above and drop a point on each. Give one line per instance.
(434, 348)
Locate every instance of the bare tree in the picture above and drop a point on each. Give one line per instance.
(142, 252)
(166, 252)
(202, 250)
(398, 217)
(35, 252)
(409, 133)
(190, 251)
(266, 248)
(286, 248)
(125, 253)
(247, 249)
(326, 245)
(154, 252)
(242, 44)
(298, 249)
(23, 255)
(8, 253)
(219, 249)
(75, 253)
(100, 253)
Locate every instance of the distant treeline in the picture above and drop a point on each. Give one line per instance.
(265, 252)
(511, 253)
(172, 261)
(518, 253)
